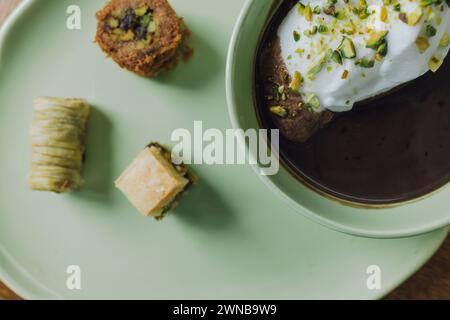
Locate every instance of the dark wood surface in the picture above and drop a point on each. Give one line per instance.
(431, 282)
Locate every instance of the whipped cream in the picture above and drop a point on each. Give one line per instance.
(388, 43)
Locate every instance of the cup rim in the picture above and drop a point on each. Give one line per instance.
(297, 206)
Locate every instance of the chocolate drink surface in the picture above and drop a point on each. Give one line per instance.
(392, 149)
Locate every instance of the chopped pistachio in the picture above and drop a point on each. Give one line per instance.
(364, 14)
(312, 101)
(383, 49)
(118, 32)
(311, 32)
(426, 3)
(301, 8)
(361, 10)
(323, 29)
(435, 63)
(415, 16)
(279, 111)
(336, 57)
(387, 2)
(151, 27)
(430, 31)
(348, 32)
(345, 74)
(365, 62)
(430, 15)
(140, 11)
(397, 7)
(376, 39)
(300, 51)
(445, 40)
(347, 48)
(280, 89)
(329, 10)
(296, 81)
(316, 10)
(296, 36)
(403, 17)
(308, 13)
(422, 44)
(317, 64)
(141, 44)
(145, 20)
(128, 36)
(340, 15)
(112, 22)
(384, 14)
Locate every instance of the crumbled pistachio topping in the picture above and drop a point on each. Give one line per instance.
(279, 111)
(334, 36)
(384, 14)
(415, 16)
(430, 31)
(296, 81)
(445, 40)
(312, 102)
(308, 13)
(422, 44)
(365, 62)
(435, 63)
(345, 74)
(317, 64)
(347, 48)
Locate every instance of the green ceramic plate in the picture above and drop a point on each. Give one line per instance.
(230, 237)
(417, 217)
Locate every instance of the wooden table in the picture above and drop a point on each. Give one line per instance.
(431, 282)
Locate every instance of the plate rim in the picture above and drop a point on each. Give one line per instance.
(33, 289)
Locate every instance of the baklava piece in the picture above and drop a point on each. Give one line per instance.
(143, 36)
(152, 183)
(58, 134)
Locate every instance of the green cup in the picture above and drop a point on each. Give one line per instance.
(416, 217)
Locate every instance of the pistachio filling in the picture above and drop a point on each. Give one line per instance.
(134, 24)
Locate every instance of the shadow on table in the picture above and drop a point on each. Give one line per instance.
(203, 207)
(198, 70)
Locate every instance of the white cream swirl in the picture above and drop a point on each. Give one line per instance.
(417, 40)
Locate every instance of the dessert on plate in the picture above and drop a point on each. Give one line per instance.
(153, 183)
(143, 36)
(58, 133)
(326, 55)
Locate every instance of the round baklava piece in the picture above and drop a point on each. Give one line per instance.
(143, 36)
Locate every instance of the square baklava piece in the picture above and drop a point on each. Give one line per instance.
(153, 183)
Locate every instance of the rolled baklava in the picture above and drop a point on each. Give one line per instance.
(58, 135)
(153, 183)
(143, 36)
